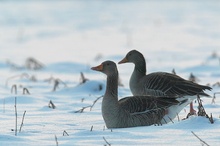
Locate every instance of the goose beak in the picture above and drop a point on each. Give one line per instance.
(98, 68)
(123, 61)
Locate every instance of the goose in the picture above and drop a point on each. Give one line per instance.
(160, 83)
(133, 111)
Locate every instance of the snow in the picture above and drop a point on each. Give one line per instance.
(69, 37)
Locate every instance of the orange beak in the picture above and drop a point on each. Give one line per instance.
(123, 61)
(98, 68)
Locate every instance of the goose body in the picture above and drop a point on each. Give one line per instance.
(160, 83)
(134, 110)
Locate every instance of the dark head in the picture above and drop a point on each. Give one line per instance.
(133, 56)
(107, 67)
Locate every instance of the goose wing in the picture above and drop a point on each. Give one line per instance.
(144, 104)
(161, 83)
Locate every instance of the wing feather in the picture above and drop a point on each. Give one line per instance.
(161, 83)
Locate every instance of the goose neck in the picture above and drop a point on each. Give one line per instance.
(112, 86)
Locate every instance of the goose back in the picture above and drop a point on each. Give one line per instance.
(161, 84)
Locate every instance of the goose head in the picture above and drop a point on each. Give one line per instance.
(106, 67)
(132, 57)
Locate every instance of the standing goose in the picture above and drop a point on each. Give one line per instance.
(135, 110)
(160, 83)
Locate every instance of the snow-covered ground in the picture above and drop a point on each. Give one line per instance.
(68, 37)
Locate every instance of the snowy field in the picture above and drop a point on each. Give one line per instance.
(69, 37)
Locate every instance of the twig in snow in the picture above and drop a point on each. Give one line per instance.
(56, 140)
(91, 128)
(107, 143)
(202, 141)
(26, 91)
(82, 109)
(216, 84)
(94, 102)
(89, 106)
(14, 88)
(33, 78)
(211, 119)
(174, 72)
(201, 110)
(13, 65)
(16, 116)
(82, 78)
(65, 133)
(51, 105)
(22, 121)
(50, 79)
(57, 82)
(16, 76)
(33, 64)
(193, 78)
(214, 97)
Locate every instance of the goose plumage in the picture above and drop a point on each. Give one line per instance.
(134, 111)
(159, 83)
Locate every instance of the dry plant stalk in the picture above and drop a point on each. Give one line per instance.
(201, 111)
(214, 97)
(57, 82)
(51, 105)
(91, 128)
(14, 88)
(82, 78)
(22, 123)
(26, 91)
(65, 133)
(104, 128)
(216, 84)
(107, 143)
(211, 119)
(82, 109)
(174, 72)
(202, 141)
(89, 106)
(16, 76)
(56, 140)
(33, 64)
(16, 117)
(94, 102)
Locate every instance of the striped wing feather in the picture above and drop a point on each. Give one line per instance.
(143, 104)
(161, 83)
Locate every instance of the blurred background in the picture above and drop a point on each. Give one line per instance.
(81, 30)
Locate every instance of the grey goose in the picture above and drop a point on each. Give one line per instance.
(134, 110)
(160, 83)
